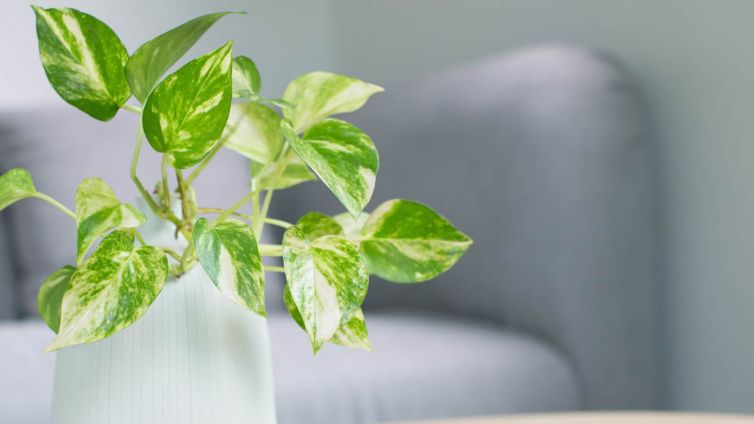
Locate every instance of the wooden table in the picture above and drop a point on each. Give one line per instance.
(604, 418)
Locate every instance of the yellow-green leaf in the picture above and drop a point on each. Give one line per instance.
(185, 115)
(246, 79)
(229, 254)
(317, 95)
(110, 290)
(328, 280)
(83, 60)
(98, 211)
(342, 156)
(315, 225)
(150, 61)
(15, 185)
(295, 172)
(407, 242)
(50, 296)
(253, 130)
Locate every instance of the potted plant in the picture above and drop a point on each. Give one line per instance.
(143, 319)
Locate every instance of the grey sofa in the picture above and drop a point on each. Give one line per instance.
(540, 155)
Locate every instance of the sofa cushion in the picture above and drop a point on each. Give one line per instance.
(61, 146)
(423, 366)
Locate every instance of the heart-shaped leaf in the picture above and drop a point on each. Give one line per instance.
(408, 242)
(150, 61)
(246, 79)
(15, 185)
(98, 211)
(315, 225)
(50, 296)
(185, 115)
(317, 95)
(253, 130)
(328, 281)
(229, 254)
(343, 157)
(351, 334)
(110, 290)
(83, 60)
(295, 172)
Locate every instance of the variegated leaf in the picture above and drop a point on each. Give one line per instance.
(317, 95)
(328, 280)
(351, 226)
(351, 334)
(185, 115)
(246, 79)
(83, 60)
(253, 130)
(110, 290)
(50, 296)
(315, 225)
(229, 254)
(343, 157)
(98, 211)
(150, 61)
(408, 242)
(295, 172)
(15, 185)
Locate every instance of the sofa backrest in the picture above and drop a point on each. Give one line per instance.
(542, 157)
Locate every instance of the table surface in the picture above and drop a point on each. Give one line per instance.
(604, 418)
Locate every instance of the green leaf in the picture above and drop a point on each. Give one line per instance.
(98, 211)
(110, 290)
(253, 130)
(328, 281)
(50, 297)
(408, 242)
(185, 115)
(295, 173)
(351, 226)
(15, 185)
(246, 79)
(351, 334)
(150, 61)
(83, 60)
(315, 225)
(343, 157)
(229, 254)
(318, 95)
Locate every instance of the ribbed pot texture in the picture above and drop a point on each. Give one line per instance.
(194, 357)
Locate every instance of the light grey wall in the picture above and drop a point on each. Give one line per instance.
(695, 61)
(285, 37)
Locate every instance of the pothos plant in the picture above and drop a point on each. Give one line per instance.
(210, 103)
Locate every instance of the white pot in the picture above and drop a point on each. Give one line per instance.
(194, 357)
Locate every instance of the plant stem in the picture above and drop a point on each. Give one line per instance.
(55, 203)
(278, 222)
(134, 162)
(138, 236)
(271, 268)
(220, 211)
(172, 253)
(235, 207)
(270, 250)
(259, 225)
(186, 209)
(131, 108)
(165, 185)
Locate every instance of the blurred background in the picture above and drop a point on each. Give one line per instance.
(691, 62)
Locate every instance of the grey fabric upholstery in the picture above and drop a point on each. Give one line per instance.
(422, 367)
(60, 147)
(8, 292)
(541, 156)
